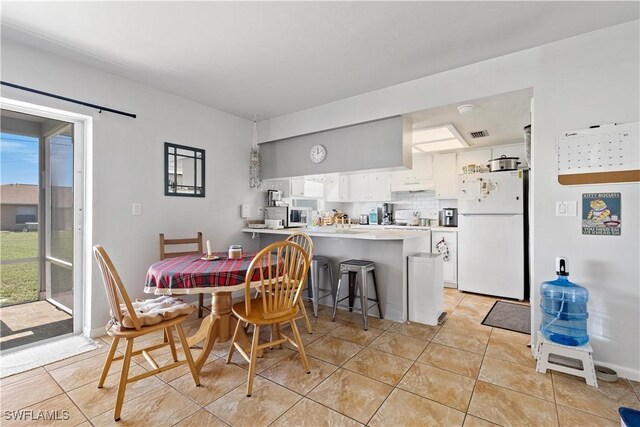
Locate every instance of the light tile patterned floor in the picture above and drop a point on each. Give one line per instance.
(462, 373)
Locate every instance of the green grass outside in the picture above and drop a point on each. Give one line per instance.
(18, 245)
(19, 282)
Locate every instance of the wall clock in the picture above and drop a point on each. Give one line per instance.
(318, 153)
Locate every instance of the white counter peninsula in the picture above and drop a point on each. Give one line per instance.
(387, 248)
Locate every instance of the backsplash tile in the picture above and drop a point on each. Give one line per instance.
(423, 201)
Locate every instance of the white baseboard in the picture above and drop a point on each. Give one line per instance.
(630, 374)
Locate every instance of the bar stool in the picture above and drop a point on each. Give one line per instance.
(317, 263)
(352, 267)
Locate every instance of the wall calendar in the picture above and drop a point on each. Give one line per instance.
(599, 155)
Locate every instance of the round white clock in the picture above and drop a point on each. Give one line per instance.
(318, 153)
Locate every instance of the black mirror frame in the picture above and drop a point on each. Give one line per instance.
(167, 146)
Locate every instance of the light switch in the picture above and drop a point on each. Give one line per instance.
(136, 209)
(566, 208)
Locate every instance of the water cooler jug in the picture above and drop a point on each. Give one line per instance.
(564, 308)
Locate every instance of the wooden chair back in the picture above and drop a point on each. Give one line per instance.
(164, 242)
(116, 292)
(303, 240)
(282, 269)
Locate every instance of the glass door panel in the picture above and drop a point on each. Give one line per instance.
(59, 217)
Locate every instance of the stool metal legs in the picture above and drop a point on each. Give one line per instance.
(353, 292)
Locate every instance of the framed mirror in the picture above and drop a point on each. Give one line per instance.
(183, 171)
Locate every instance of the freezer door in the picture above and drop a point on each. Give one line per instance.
(497, 192)
(491, 255)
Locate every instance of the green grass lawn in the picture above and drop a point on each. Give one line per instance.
(17, 245)
(18, 282)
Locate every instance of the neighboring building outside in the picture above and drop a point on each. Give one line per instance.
(19, 206)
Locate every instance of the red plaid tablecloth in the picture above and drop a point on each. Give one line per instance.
(190, 274)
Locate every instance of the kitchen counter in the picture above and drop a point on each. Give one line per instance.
(389, 249)
(364, 232)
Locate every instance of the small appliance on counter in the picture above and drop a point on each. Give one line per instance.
(373, 216)
(299, 216)
(387, 214)
(449, 217)
(364, 219)
(274, 198)
(277, 213)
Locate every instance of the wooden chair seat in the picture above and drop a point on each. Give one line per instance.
(258, 315)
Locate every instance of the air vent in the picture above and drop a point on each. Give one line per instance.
(479, 134)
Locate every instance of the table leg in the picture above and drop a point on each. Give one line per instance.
(219, 325)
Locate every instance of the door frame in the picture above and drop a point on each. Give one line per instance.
(82, 202)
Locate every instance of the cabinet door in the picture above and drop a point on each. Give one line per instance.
(314, 189)
(297, 187)
(343, 189)
(449, 267)
(399, 179)
(379, 187)
(476, 157)
(359, 187)
(422, 168)
(445, 176)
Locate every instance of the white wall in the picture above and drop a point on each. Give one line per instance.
(578, 82)
(128, 163)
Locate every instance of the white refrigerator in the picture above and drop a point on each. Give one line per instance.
(491, 234)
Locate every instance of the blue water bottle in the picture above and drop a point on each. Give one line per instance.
(564, 308)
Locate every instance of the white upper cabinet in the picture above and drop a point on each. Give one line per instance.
(445, 176)
(419, 177)
(379, 187)
(336, 188)
(476, 157)
(303, 187)
(359, 188)
(279, 184)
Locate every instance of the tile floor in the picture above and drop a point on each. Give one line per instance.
(30, 322)
(462, 373)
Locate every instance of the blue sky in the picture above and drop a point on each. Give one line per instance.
(19, 160)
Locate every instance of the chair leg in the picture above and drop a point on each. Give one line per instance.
(232, 347)
(334, 295)
(364, 298)
(306, 317)
(124, 375)
(252, 359)
(200, 304)
(315, 284)
(107, 363)
(335, 300)
(375, 288)
(172, 344)
(303, 355)
(187, 355)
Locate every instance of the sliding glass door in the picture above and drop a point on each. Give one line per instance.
(58, 217)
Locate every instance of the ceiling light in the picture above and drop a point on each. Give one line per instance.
(465, 108)
(438, 138)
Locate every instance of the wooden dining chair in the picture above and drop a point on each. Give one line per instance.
(279, 270)
(305, 241)
(164, 242)
(126, 324)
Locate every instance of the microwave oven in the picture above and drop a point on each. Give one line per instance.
(288, 215)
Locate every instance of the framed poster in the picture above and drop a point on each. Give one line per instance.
(601, 214)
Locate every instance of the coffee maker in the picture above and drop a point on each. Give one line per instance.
(448, 217)
(274, 198)
(387, 215)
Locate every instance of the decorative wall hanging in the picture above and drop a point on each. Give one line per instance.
(254, 160)
(601, 214)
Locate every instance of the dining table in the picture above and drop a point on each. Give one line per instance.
(218, 275)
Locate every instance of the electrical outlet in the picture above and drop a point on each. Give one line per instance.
(136, 209)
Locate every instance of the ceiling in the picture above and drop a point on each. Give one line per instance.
(502, 116)
(274, 58)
